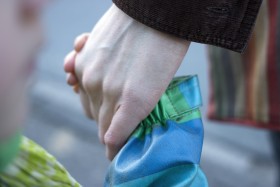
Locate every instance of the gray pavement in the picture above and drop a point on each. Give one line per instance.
(232, 156)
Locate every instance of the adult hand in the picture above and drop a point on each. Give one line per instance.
(122, 71)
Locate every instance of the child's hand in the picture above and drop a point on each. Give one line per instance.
(69, 62)
(69, 67)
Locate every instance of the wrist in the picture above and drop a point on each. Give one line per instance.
(176, 44)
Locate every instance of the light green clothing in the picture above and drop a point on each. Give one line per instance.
(34, 167)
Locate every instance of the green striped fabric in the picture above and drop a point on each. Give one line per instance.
(165, 148)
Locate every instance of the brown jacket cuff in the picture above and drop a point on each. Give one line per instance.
(226, 24)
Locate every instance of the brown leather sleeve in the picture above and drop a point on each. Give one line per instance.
(224, 23)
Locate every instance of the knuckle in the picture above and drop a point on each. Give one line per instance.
(131, 94)
(144, 100)
(110, 141)
(111, 87)
(91, 81)
(86, 81)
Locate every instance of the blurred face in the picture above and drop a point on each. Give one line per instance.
(20, 38)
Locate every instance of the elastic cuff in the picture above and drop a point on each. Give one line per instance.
(181, 98)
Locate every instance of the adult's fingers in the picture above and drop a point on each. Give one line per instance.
(80, 41)
(106, 113)
(124, 122)
(95, 104)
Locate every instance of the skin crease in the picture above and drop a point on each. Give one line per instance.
(20, 37)
(122, 71)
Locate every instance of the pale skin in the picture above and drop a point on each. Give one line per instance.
(20, 37)
(122, 71)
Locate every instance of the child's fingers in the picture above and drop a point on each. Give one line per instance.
(76, 88)
(69, 62)
(80, 41)
(71, 79)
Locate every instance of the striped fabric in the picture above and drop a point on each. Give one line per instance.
(246, 88)
(166, 147)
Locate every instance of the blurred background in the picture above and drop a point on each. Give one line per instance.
(232, 156)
